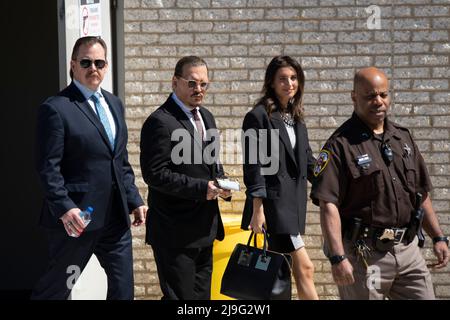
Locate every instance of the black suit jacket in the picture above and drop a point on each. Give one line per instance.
(179, 214)
(76, 164)
(284, 192)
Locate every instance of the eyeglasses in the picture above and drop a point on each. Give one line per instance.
(193, 84)
(86, 63)
(386, 153)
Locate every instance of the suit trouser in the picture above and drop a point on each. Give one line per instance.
(184, 273)
(400, 273)
(68, 257)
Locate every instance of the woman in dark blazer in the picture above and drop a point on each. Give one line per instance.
(278, 161)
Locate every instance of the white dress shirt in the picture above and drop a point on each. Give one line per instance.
(87, 93)
(189, 114)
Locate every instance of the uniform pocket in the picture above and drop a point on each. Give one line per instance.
(410, 172)
(367, 181)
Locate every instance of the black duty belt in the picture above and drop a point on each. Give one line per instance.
(396, 235)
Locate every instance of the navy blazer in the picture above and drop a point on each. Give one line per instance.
(179, 215)
(76, 163)
(284, 192)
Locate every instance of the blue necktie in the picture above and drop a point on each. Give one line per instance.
(103, 118)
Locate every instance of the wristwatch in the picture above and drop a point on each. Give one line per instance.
(336, 259)
(441, 238)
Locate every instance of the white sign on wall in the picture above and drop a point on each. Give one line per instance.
(90, 18)
(99, 11)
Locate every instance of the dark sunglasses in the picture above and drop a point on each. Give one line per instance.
(86, 63)
(193, 84)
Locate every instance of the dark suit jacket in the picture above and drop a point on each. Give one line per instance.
(75, 162)
(284, 192)
(179, 214)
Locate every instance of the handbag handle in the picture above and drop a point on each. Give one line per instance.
(255, 242)
(265, 247)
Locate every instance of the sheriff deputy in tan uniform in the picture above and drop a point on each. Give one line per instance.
(372, 186)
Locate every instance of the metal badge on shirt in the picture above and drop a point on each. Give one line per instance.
(407, 150)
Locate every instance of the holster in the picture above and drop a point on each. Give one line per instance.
(415, 224)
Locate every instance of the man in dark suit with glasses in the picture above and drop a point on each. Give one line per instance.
(82, 161)
(179, 162)
(373, 190)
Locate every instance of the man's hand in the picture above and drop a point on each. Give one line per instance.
(431, 226)
(441, 252)
(213, 192)
(140, 213)
(72, 222)
(224, 194)
(343, 273)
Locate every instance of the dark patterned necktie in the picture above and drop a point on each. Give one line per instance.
(198, 122)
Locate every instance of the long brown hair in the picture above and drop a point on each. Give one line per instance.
(269, 99)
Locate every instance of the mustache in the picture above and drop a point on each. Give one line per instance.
(93, 73)
(197, 94)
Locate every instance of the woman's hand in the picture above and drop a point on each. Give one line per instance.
(258, 220)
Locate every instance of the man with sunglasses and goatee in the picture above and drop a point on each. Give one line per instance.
(82, 162)
(373, 189)
(179, 162)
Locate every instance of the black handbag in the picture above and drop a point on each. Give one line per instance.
(257, 274)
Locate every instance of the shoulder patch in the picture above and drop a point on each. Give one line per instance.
(321, 162)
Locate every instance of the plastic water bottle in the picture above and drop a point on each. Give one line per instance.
(86, 216)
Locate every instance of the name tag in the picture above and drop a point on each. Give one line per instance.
(363, 160)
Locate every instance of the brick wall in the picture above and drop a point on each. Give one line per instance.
(331, 39)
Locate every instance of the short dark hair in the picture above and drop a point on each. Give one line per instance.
(193, 61)
(88, 41)
(269, 99)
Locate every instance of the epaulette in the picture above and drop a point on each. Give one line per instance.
(402, 129)
(346, 126)
(398, 126)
